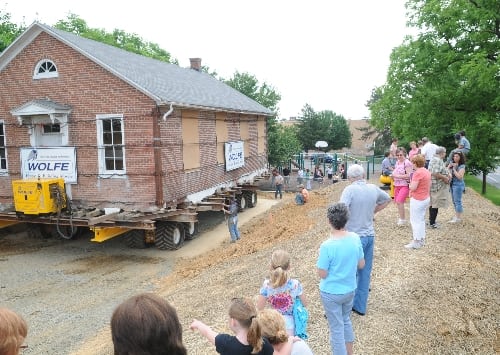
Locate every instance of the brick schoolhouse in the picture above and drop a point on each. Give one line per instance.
(129, 131)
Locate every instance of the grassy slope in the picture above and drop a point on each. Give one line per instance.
(492, 193)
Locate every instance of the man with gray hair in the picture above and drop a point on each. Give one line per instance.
(363, 201)
(440, 179)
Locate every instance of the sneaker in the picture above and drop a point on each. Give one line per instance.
(435, 226)
(401, 222)
(415, 244)
(455, 220)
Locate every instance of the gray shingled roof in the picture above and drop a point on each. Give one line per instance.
(165, 83)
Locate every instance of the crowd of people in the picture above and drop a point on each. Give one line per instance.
(428, 180)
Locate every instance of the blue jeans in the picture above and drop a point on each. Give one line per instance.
(338, 311)
(363, 275)
(457, 190)
(278, 191)
(233, 228)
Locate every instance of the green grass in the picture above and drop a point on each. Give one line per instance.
(492, 193)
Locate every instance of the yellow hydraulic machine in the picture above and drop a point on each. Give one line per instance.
(39, 196)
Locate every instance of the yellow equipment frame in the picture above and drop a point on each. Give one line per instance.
(102, 234)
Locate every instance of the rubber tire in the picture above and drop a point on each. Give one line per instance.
(190, 230)
(134, 239)
(251, 198)
(242, 202)
(34, 231)
(42, 231)
(169, 235)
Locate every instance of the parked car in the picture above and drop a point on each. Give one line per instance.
(320, 158)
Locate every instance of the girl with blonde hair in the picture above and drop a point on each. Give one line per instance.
(280, 290)
(274, 329)
(243, 322)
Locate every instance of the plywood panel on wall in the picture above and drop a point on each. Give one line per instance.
(261, 132)
(221, 132)
(190, 140)
(245, 137)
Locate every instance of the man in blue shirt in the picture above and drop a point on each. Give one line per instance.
(363, 201)
(462, 143)
(232, 220)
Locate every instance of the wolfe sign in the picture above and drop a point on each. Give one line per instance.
(49, 163)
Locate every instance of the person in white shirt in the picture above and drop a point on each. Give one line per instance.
(300, 176)
(428, 150)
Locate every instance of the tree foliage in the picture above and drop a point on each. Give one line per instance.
(323, 126)
(8, 31)
(130, 42)
(264, 94)
(283, 143)
(446, 79)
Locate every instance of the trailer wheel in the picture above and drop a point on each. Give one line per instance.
(190, 230)
(242, 202)
(169, 235)
(251, 198)
(41, 231)
(135, 239)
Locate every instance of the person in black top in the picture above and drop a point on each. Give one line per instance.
(244, 323)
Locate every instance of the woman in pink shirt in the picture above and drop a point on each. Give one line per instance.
(401, 176)
(413, 151)
(420, 191)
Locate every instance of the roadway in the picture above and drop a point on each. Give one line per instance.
(492, 178)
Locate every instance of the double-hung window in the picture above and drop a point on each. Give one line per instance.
(111, 144)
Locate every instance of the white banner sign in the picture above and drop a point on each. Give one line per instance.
(49, 163)
(234, 155)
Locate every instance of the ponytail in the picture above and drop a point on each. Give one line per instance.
(254, 336)
(280, 263)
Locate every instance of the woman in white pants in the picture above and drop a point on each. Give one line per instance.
(420, 187)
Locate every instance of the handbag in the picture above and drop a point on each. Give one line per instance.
(300, 317)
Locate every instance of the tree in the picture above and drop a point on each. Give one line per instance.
(8, 31)
(283, 142)
(446, 79)
(323, 126)
(130, 42)
(268, 97)
(264, 94)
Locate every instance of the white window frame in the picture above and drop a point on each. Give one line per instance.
(45, 74)
(103, 172)
(6, 170)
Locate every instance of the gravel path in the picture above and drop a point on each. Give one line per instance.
(67, 289)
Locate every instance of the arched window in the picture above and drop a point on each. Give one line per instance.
(45, 69)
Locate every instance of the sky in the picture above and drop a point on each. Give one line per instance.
(329, 54)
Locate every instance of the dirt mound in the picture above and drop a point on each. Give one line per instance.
(440, 299)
